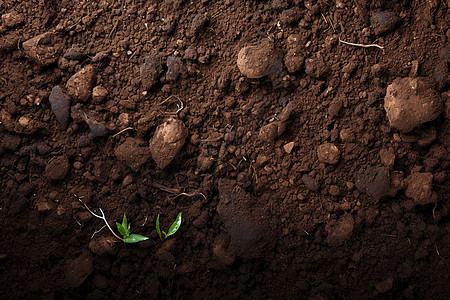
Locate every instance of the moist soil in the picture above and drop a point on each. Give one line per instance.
(290, 179)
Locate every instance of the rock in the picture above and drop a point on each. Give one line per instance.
(373, 181)
(173, 68)
(197, 24)
(246, 225)
(272, 130)
(7, 120)
(150, 71)
(410, 102)
(316, 67)
(328, 153)
(310, 183)
(385, 285)
(9, 42)
(420, 188)
(97, 128)
(57, 168)
(340, 231)
(289, 16)
(256, 61)
(60, 104)
(80, 85)
(102, 246)
(78, 270)
(133, 153)
(99, 94)
(167, 141)
(13, 19)
(293, 60)
(383, 22)
(387, 157)
(335, 107)
(74, 54)
(334, 190)
(40, 49)
(288, 147)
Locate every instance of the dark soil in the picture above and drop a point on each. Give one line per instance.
(293, 179)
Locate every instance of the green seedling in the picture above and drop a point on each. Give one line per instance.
(172, 229)
(124, 230)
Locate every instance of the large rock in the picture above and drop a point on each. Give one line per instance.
(133, 153)
(80, 85)
(410, 102)
(256, 61)
(419, 188)
(60, 104)
(167, 141)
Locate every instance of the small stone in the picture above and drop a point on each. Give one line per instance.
(60, 104)
(288, 147)
(255, 61)
(78, 270)
(40, 49)
(133, 153)
(340, 231)
(387, 157)
(197, 24)
(57, 168)
(310, 183)
(410, 102)
(420, 188)
(13, 19)
(383, 22)
(385, 285)
(167, 141)
(334, 190)
(80, 85)
(373, 181)
(99, 94)
(328, 153)
(74, 54)
(173, 68)
(150, 71)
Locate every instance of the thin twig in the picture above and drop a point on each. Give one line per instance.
(180, 107)
(103, 217)
(123, 130)
(97, 231)
(360, 45)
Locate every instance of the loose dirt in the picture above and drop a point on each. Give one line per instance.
(305, 166)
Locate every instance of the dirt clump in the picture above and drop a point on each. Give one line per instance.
(42, 49)
(57, 168)
(328, 153)
(420, 188)
(340, 230)
(410, 102)
(256, 61)
(133, 152)
(79, 86)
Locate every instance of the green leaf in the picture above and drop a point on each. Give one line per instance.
(134, 238)
(125, 225)
(121, 229)
(158, 230)
(174, 227)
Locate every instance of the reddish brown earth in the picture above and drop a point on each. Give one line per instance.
(294, 177)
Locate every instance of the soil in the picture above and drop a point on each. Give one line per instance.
(292, 178)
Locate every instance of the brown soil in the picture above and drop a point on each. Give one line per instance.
(291, 181)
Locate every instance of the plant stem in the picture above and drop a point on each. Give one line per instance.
(103, 217)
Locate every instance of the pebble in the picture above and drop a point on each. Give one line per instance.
(150, 71)
(420, 188)
(78, 269)
(13, 19)
(173, 68)
(255, 61)
(334, 190)
(57, 168)
(410, 102)
(288, 147)
(79, 86)
(167, 141)
(74, 54)
(340, 231)
(60, 104)
(133, 153)
(328, 153)
(310, 183)
(197, 24)
(373, 181)
(97, 129)
(385, 285)
(41, 50)
(383, 22)
(387, 157)
(99, 94)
